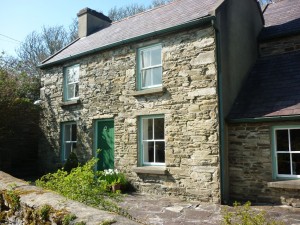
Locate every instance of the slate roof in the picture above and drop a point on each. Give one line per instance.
(272, 89)
(281, 18)
(173, 14)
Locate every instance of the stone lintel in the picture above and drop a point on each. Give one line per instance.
(72, 102)
(149, 91)
(285, 184)
(159, 170)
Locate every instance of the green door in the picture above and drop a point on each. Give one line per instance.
(105, 142)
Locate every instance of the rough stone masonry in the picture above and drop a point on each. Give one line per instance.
(107, 89)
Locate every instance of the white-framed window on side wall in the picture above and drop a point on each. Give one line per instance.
(150, 67)
(71, 82)
(152, 140)
(286, 152)
(69, 139)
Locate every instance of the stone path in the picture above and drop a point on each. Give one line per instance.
(149, 209)
(145, 209)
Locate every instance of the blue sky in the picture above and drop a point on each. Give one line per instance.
(18, 18)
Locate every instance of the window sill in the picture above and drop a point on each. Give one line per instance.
(149, 91)
(285, 184)
(72, 102)
(159, 170)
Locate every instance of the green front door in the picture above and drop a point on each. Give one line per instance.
(105, 142)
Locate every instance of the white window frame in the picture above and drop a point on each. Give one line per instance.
(141, 68)
(70, 141)
(142, 141)
(290, 152)
(67, 71)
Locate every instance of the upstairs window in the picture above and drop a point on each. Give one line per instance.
(287, 152)
(71, 83)
(150, 67)
(152, 140)
(69, 139)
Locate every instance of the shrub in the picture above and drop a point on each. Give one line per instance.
(71, 163)
(243, 215)
(81, 184)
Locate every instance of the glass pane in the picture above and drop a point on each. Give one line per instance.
(283, 161)
(282, 140)
(157, 75)
(72, 74)
(70, 91)
(148, 151)
(67, 132)
(145, 58)
(147, 129)
(74, 132)
(68, 147)
(296, 164)
(76, 90)
(159, 128)
(146, 78)
(295, 139)
(156, 56)
(160, 151)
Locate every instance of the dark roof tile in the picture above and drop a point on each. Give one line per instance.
(281, 18)
(176, 13)
(272, 89)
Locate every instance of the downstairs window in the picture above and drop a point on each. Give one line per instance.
(286, 144)
(152, 140)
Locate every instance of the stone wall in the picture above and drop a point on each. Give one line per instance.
(188, 103)
(250, 164)
(280, 45)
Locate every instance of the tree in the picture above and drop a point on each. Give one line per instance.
(38, 46)
(122, 12)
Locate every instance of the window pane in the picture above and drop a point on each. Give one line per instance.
(147, 129)
(283, 161)
(145, 58)
(146, 78)
(295, 139)
(282, 140)
(160, 151)
(70, 91)
(68, 147)
(76, 90)
(148, 151)
(72, 74)
(74, 132)
(156, 56)
(159, 128)
(67, 132)
(157, 75)
(296, 164)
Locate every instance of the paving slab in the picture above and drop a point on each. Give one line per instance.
(158, 210)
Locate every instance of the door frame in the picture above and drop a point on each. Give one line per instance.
(95, 136)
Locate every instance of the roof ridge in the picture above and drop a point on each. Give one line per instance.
(146, 11)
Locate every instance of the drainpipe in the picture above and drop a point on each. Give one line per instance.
(224, 196)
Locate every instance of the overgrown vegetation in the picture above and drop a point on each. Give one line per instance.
(83, 184)
(243, 215)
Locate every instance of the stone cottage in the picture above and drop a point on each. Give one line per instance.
(264, 126)
(152, 92)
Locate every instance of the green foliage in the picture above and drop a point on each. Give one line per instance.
(82, 184)
(112, 177)
(68, 219)
(45, 212)
(80, 223)
(71, 163)
(243, 215)
(108, 222)
(13, 200)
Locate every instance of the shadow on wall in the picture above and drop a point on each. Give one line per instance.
(19, 133)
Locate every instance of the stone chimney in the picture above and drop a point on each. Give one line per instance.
(90, 21)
